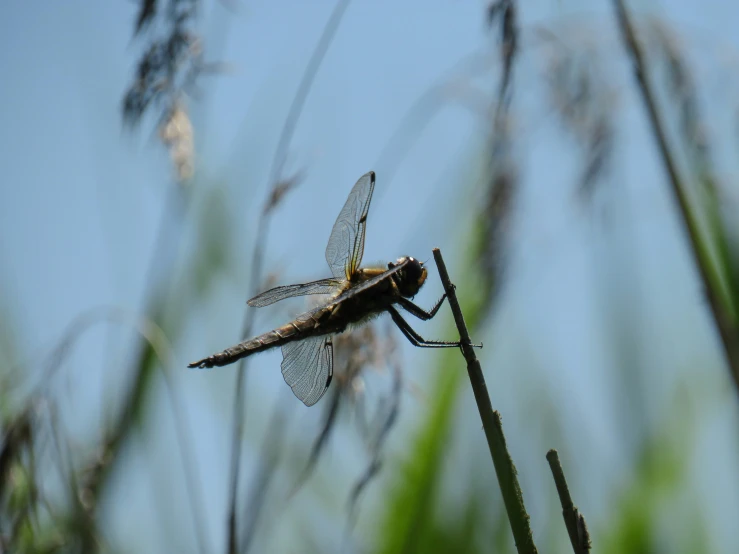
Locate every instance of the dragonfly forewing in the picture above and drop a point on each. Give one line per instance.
(346, 244)
(323, 286)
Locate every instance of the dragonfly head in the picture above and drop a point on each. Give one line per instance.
(410, 279)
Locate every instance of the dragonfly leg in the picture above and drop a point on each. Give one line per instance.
(418, 311)
(415, 338)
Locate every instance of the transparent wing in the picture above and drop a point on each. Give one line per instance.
(308, 366)
(324, 286)
(346, 244)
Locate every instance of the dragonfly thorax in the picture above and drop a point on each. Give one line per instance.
(410, 279)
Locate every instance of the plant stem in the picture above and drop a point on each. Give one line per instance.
(698, 251)
(504, 467)
(574, 520)
(278, 161)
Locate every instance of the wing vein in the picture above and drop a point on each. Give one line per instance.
(307, 367)
(322, 286)
(346, 245)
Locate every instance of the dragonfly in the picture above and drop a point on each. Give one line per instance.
(357, 295)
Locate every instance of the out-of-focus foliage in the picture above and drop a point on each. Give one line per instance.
(490, 244)
(658, 478)
(582, 95)
(710, 200)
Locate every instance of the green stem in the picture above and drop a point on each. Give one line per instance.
(574, 520)
(504, 467)
(707, 273)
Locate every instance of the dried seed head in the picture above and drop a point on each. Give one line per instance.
(584, 100)
(176, 133)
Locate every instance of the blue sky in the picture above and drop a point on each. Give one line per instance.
(81, 198)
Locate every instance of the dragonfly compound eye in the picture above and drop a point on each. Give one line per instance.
(411, 278)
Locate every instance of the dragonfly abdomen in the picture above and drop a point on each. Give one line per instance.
(294, 330)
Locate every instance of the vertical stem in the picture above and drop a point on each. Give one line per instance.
(504, 467)
(288, 129)
(725, 325)
(574, 520)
